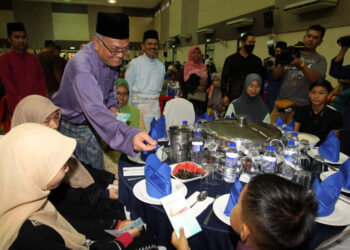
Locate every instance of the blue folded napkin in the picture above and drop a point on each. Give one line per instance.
(233, 199)
(157, 174)
(202, 116)
(327, 193)
(330, 148)
(345, 170)
(158, 128)
(279, 121)
(289, 126)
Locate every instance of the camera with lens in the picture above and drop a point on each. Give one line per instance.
(344, 41)
(286, 57)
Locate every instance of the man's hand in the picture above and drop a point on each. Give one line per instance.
(296, 61)
(180, 243)
(114, 110)
(225, 101)
(135, 232)
(113, 194)
(139, 145)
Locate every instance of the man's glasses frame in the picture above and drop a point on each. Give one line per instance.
(124, 51)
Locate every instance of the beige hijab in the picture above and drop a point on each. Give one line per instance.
(36, 108)
(31, 156)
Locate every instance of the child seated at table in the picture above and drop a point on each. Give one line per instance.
(318, 118)
(271, 213)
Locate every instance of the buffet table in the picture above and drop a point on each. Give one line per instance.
(215, 235)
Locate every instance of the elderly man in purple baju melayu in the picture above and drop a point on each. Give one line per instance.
(87, 95)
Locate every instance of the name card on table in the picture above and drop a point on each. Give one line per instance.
(180, 215)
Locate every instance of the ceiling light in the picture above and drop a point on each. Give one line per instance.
(112, 1)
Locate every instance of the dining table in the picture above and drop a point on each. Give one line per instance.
(215, 234)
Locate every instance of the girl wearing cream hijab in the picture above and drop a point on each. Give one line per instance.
(34, 160)
(86, 197)
(26, 180)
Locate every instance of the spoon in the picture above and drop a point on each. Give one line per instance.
(201, 197)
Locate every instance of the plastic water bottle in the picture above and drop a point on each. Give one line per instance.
(185, 124)
(269, 160)
(197, 148)
(231, 163)
(295, 138)
(290, 153)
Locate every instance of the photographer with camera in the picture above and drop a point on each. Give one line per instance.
(273, 86)
(304, 67)
(342, 73)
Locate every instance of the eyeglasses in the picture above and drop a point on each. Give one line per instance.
(122, 93)
(124, 51)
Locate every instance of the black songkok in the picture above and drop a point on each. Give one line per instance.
(150, 34)
(113, 25)
(14, 27)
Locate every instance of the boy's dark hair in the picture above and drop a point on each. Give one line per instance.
(280, 213)
(323, 83)
(318, 28)
(244, 36)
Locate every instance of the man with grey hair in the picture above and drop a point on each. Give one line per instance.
(87, 95)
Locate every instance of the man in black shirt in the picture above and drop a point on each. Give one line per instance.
(318, 118)
(237, 66)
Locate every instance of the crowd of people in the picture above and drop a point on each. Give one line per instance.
(62, 113)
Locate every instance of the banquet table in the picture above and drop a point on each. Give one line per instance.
(215, 235)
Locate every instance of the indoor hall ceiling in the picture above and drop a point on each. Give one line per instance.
(146, 4)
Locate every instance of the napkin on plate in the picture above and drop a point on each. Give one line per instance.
(279, 121)
(157, 174)
(345, 170)
(327, 193)
(200, 206)
(330, 148)
(158, 128)
(233, 199)
(289, 126)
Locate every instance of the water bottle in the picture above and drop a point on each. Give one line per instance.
(290, 153)
(295, 138)
(185, 125)
(269, 161)
(231, 163)
(197, 148)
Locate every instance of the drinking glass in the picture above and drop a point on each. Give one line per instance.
(304, 146)
(205, 182)
(287, 171)
(317, 166)
(215, 176)
(304, 178)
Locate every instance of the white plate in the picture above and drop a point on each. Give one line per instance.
(342, 157)
(339, 217)
(140, 192)
(161, 154)
(324, 176)
(219, 208)
(187, 180)
(165, 139)
(313, 139)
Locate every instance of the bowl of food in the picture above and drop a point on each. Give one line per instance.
(312, 139)
(187, 171)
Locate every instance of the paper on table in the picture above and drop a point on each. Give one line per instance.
(133, 169)
(200, 205)
(123, 117)
(134, 173)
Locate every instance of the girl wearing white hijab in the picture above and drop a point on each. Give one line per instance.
(34, 160)
(84, 200)
(30, 165)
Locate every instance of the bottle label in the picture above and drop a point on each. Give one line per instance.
(231, 159)
(270, 162)
(197, 147)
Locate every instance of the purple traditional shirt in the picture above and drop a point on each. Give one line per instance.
(87, 92)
